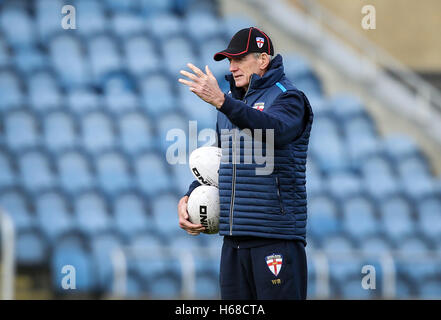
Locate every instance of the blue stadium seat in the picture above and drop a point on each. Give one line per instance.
(347, 106)
(417, 186)
(396, 218)
(323, 217)
(91, 17)
(375, 244)
(140, 56)
(59, 131)
(135, 133)
(31, 247)
(5, 57)
(165, 213)
(104, 56)
(10, 90)
(236, 22)
(44, 93)
(182, 177)
(97, 132)
(166, 286)
(413, 245)
(130, 215)
(112, 173)
(399, 146)
(341, 269)
(413, 166)
(17, 26)
(21, 130)
(213, 26)
(52, 215)
(359, 126)
(207, 287)
(151, 8)
(157, 95)
(64, 48)
(119, 92)
(91, 214)
(14, 202)
(135, 289)
(165, 25)
(429, 217)
(36, 172)
(125, 24)
(353, 290)
(74, 172)
(344, 184)
(30, 59)
(299, 71)
(361, 146)
(103, 246)
(340, 244)
(418, 270)
(178, 51)
(78, 258)
(7, 172)
(151, 175)
(430, 289)
(359, 219)
(83, 100)
(48, 18)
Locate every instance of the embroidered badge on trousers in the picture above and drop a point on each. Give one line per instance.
(274, 263)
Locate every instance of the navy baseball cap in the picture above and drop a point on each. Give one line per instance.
(246, 41)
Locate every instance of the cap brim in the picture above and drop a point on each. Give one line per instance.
(228, 54)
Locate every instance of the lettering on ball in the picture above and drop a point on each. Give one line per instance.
(198, 175)
(203, 216)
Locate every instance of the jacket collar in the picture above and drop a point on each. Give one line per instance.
(274, 73)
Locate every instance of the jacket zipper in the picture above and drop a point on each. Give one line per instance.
(233, 181)
(278, 194)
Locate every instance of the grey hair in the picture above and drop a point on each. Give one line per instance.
(258, 54)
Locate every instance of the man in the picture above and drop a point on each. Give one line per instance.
(262, 217)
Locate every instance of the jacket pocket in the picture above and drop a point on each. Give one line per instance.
(279, 195)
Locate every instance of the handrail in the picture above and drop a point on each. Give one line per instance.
(8, 255)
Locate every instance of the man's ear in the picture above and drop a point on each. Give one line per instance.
(265, 61)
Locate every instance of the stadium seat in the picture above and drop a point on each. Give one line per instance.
(347, 106)
(165, 286)
(165, 25)
(125, 24)
(236, 22)
(119, 95)
(91, 215)
(135, 133)
(151, 175)
(375, 244)
(298, 70)
(323, 217)
(164, 210)
(52, 214)
(48, 18)
(17, 26)
(413, 166)
(396, 218)
(64, 48)
(113, 173)
(59, 131)
(82, 262)
(429, 217)
(44, 93)
(92, 17)
(399, 146)
(81, 101)
(207, 287)
(103, 246)
(130, 215)
(359, 218)
(157, 95)
(97, 132)
(337, 244)
(104, 56)
(10, 90)
(30, 59)
(193, 21)
(150, 8)
(5, 58)
(36, 172)
(74, 171)
(344, 184)
(31, 247)
(141, 56)
(417, 186)
(178, 51)
(21, 130)
(16, 205)
(430, 289)
(352, 290)
(413, 245)
(7, 172)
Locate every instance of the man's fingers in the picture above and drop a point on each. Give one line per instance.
(208, 71)
(196, 70)
(186, 82)
(189, 75)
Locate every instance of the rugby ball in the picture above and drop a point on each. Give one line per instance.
(203, 208)
(204, 164)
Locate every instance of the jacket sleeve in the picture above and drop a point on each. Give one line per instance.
(286, 116)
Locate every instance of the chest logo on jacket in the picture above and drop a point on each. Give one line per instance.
(259, 106)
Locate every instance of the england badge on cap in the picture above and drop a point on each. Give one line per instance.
(260, 42)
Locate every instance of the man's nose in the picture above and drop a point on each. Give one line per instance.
(233, 66)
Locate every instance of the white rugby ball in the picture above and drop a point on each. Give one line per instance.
(203, 208)
(204, 164)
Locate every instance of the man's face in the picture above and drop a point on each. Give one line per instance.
(242, 68)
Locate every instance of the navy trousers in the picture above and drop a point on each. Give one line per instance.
(263, 270)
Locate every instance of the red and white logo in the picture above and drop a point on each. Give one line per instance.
(274, 263)
(260, 42)
(259, 106)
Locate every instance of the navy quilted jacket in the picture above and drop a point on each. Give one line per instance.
(264, 205)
